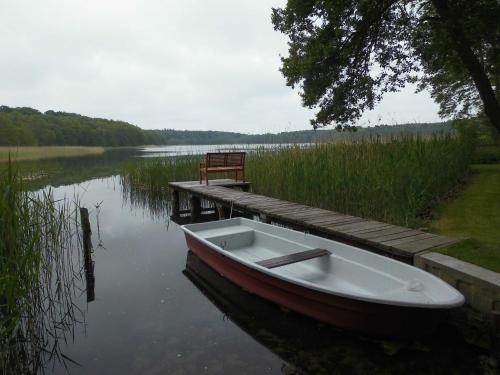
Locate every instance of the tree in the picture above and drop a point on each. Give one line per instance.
(28, 126)
(345, 54)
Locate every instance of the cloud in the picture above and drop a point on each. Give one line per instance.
(161, 64)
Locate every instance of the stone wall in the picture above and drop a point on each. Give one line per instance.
(480, 287)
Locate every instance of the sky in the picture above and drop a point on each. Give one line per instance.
(195, 65)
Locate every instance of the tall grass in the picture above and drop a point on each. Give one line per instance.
(154, 174)
(144, 182)
(392, 179)
(37, 276)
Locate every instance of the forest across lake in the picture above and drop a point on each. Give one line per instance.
(26, 126)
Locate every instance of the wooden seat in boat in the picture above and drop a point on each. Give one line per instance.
(292, 258)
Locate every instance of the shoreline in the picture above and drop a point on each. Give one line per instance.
(21, 153)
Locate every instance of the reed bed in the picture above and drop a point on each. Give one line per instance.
(46, 152)
(395, 180)
(154, 174)
(144, 182)
(38, 276)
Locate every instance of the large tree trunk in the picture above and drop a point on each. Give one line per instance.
(469, 59)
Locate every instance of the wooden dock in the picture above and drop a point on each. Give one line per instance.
(391, 240)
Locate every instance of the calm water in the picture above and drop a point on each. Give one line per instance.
(159, 310)
(202, 149)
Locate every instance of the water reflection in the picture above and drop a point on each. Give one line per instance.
(308, 347)
(157, 204)
(64, 171)
(71, 170)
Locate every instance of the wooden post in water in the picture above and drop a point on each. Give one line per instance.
(195, 207)
(84, 216)
(175, 204)
(88, 264)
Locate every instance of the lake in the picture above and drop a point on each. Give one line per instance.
(156, 308)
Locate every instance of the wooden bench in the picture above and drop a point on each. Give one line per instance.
(292, 258)
(223, 162)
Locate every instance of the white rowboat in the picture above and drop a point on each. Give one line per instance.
(324, 279)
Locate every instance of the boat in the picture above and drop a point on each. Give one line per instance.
(330, 281)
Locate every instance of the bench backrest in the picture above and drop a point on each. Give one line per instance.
(225, 159)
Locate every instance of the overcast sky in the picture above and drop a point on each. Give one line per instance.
(197, 65)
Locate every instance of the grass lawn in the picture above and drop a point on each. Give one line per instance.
(45, 152)
(487, 155)
(475, 214)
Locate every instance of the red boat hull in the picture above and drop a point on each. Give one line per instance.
(367, 317)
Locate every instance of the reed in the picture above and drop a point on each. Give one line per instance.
(395, 180)
(144, 182)
(38, 277)
(154, 174)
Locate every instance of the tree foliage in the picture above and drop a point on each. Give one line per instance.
(444, 74)
(345, 54)
(30, 127)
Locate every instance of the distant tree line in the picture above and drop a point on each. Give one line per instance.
(188, 137)
(29, 127)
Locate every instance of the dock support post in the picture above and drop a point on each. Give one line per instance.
(224, 212)
(264, 219)
(175, 204)
(195, 208)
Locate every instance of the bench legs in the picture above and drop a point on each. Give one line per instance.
(204, 175)
(242, 175)
(201, 176)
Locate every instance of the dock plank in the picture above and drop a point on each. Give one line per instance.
(340, 225)
(371, 229)
(394, 236)
(413, 238)
(375, 235)
(327, 220)
(289, 211)
(353, 228)
(312, 214)
(418, 246)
